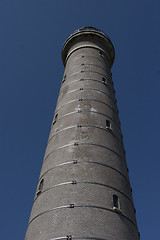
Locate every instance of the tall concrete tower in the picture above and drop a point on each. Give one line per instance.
(83, 190)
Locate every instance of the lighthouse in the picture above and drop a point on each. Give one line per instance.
(83, 190)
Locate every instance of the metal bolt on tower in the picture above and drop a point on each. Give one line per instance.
(83, 190)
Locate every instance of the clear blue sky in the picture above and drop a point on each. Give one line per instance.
(32, 33)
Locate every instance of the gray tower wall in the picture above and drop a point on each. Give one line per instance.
(84, 163)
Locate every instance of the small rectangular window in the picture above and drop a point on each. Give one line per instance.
(55, 119)
(116, 204)
(64, 79)
(101, 54)
(108, 124)
(40, 187)
(103, 80)
(115, 201)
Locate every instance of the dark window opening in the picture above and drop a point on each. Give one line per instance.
(101, 54)
(103, 80)
(40, 187)
(55, 119)
(116, 202)
(108, 124)
(64, 78)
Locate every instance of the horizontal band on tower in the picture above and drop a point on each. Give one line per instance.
(88, 126)
(89, 111)
(85, 182)
(89, 71)
(85, 56)
(87, 79)
(89, 46)
(83, 143)
(88, 89)
(81, 206)
(78, 162)
(69, 237)
(87, 99)
(85, 64)
(82, 56)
